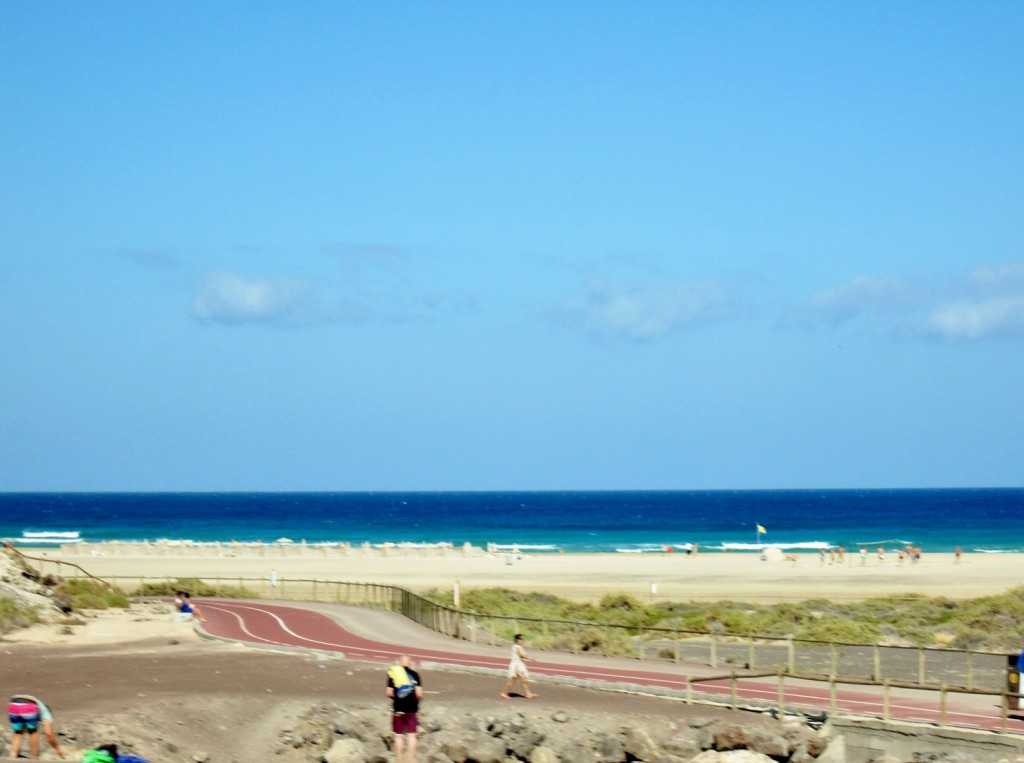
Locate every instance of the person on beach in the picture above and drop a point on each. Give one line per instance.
(186, 609)
(405, 690)
(517, 670)
(27, 714)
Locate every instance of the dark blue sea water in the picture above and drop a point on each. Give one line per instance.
(633, 521)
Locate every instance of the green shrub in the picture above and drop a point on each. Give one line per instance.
(14, 615)
(85, 593)
(194, 587)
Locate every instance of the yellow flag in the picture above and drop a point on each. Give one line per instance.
(760, 529)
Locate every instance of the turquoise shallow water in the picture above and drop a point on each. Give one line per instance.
(629, 521)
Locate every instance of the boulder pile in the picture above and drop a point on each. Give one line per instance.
(354, 734)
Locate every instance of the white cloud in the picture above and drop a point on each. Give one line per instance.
(985, 303)
(230, 299)
(1001, 317)
(227, 298)
(855, 297)
(643, 312)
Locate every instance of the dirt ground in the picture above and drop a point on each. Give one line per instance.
(164, 693)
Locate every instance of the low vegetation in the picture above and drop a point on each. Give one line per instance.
(14, 615)
(993, 623)
(83, 593)
(193, 587)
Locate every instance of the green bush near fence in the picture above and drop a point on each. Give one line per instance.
(193, 587)
(992, 623)
(14, 615)
(83, 593)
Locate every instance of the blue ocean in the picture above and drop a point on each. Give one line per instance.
(986, 520)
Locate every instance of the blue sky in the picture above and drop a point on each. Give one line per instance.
(468, 246)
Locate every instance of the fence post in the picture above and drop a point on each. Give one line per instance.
(714, 651)
(675, 643)
(832, 659)
(732, 687)
(970, 669)
(885, 700)
(689, 690)
(782, 696)
(876, 671)
(832, 695)
(792, 654)
(943, 697)
(640, 644)
(751, 654)
(472, 628)
(920, 666)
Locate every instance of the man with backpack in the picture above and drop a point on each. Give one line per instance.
(405, 691)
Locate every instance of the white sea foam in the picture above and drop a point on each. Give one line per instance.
(43, 534)
(45, 537)
(525, 547)
(812, 544)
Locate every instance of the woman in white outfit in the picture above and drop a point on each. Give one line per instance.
(517, 670)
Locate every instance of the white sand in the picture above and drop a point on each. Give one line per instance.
(677, 576)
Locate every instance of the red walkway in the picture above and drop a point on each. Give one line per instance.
(306, 627)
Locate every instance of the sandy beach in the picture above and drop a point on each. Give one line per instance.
(653, 576)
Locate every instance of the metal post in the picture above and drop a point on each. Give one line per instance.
(920, 666)
(877, 670)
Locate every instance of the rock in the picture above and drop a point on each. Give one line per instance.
(577, 753)
(543, 755)
(708, 756)
(561, 717)
(773, 745)
(732, 737)
(485, 749)
(835, 752)
(609, 749)
(455, 750)
(639, 744)
(743, 756)
(345, 750)
(521, 744)
(687, 743)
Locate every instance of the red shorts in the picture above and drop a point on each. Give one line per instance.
(403, 723)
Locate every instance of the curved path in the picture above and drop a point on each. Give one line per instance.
(354, 633)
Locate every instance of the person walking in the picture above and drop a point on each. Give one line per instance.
(517, 670)
(27, 715)
(405, 690)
